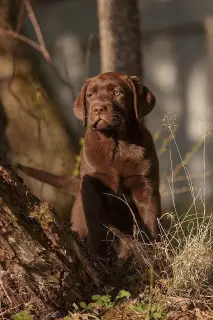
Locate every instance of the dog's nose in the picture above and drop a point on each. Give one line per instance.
(99, 109)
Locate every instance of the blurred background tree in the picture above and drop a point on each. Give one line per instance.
(29, 120)
(120, 36)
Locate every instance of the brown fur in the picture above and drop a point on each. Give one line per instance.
(70, 184)
(118, 158)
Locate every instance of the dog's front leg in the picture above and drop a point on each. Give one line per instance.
(99, 235)
(148, 203)
(78, 221)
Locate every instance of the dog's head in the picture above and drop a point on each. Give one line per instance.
(109, 100)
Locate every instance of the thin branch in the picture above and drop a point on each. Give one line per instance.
(41, 47)
(20, 17)
(19, 36)
(5, 292)
(37, 30)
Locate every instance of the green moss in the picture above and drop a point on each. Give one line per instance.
(23, 315)
(43, 215)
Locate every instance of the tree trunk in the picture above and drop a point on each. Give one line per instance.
(120, 38)
(42, 265)
(32, 130)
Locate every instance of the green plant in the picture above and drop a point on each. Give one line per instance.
(76, 170)
(105, 301)
(155, 311)
(23, 315)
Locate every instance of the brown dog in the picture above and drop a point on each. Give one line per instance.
(118, 158)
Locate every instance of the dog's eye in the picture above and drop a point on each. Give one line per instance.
(116, 92)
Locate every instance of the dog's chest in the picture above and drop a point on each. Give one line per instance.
(115, 162)
(127, 159)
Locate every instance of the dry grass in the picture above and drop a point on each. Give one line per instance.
(193, 259)
(182, 261)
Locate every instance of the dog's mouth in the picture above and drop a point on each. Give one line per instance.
(107, 124)
(101, 125)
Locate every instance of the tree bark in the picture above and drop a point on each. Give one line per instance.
(41, 261)
(120, 37)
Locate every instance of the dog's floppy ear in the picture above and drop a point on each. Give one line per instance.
(144, 99)
(79, 107)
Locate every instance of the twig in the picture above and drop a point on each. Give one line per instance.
(19, 36)
(41, 47)
(185, 161)
(165, 143)
(176, 191)
(20, 17)
(195, 176)
(9, 310)
(5, 292)
(37, 29)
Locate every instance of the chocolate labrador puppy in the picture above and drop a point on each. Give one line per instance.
(118, 158)
(119, 165)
